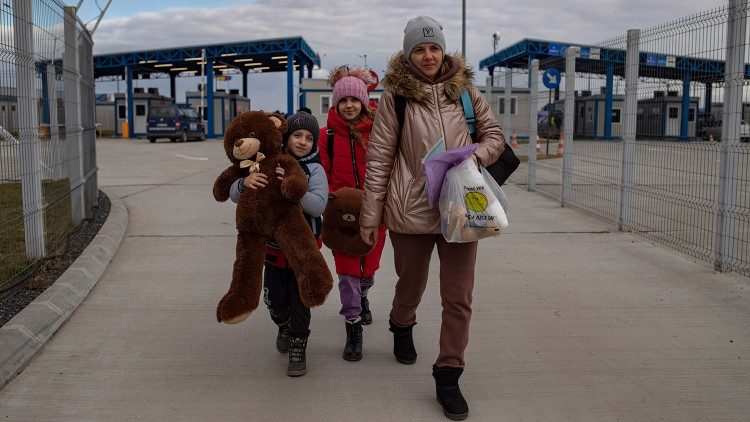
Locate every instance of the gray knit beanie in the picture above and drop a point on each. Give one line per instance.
(302, 120)
(422, 29)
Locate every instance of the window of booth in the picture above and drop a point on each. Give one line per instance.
(616, 115)
(501, 106)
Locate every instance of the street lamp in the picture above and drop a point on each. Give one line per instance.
(495, 39)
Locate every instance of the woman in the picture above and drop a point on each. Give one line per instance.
(432, 83)
(343, 145)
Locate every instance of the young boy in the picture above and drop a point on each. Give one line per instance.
(280, 291)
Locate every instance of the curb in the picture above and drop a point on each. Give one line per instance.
(28, 331)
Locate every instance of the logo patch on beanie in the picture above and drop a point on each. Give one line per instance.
(299, 120)
(428, 32)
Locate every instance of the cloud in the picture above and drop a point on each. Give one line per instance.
(343, 31)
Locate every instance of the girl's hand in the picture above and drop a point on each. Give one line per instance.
(255, 181)
(280, 173)
(369, 234)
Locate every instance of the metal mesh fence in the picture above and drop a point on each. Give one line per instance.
(47, 152)
(674, 167)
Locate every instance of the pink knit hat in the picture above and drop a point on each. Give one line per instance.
(350, 82)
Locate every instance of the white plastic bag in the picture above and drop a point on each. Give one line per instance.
(469, 210)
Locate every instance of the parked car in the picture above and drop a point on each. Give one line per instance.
(174, 121)
(711, 129)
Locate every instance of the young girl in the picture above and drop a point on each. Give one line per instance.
(280, 291)
(343, 147)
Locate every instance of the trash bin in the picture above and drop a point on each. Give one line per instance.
(124, 129)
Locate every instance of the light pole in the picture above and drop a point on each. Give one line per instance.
(364, 56)
(463, 29)
(495, 40)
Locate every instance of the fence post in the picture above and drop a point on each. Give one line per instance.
(730, 132)
(533, 107)
(568, 116)
(54, 134)
(73, 130)
(88, 119)
(29, 144)
(632, 59)
(506, 107)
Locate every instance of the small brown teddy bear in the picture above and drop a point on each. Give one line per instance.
(341, 222)
(272, 213)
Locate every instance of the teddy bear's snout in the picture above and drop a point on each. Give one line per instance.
(245, 148)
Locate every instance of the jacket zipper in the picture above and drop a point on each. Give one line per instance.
(354, 161)
(437, 108)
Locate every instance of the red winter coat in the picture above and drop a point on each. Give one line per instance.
(341, 174)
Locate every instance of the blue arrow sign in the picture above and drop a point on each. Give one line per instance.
(551, 78)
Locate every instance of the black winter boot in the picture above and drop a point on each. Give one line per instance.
(403, 343)
(366, 315)
(297, 362)
(282, 338)
(353, 348)
(448, 393)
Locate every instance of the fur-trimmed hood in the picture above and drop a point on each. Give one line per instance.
(400, 80)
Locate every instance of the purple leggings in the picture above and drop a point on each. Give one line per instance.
(351, 289)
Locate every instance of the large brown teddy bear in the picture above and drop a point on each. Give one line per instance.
(272, 213)
(341, 222)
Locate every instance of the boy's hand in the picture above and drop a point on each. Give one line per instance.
(280, 173)
(255, 181)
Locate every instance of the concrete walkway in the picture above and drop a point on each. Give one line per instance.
(573, 321)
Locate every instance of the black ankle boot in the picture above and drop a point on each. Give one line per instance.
(297, 362)
(403, 343)
(282, 338)
(448, 393)
(366, 315)
(353, 348)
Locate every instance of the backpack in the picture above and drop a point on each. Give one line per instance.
(500, 170)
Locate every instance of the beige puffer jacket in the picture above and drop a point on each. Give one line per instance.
(395, 180)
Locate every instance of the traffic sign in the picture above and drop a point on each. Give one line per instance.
(551, 78)
(374, 84)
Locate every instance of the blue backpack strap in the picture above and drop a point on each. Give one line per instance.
(468, 111)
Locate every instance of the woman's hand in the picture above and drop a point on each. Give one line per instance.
(369, 234)
(255, 181)
(476, 160)
(280, 173)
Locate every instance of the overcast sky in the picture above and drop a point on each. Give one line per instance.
(343, 32)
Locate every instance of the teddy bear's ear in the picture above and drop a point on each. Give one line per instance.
(279, 121)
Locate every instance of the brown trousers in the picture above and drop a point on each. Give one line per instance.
(412, 254)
